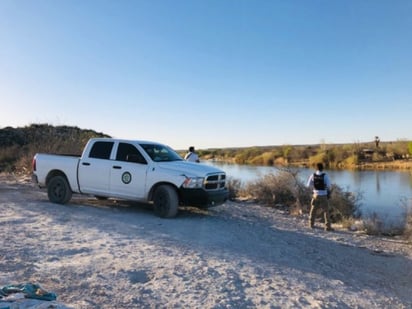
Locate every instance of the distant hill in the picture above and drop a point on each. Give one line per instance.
(18, 145)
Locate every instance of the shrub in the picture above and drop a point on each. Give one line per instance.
(407, 204)
(350, 161)
(285, 189)
(380, 224)
(408, 227)
(320, 157)
(281, 161)
(280, 189)
(344, 204)
(8, 157)
(244, 156)
(376, 157)
(375, 224)
(266, 158)
(18, 146)
(235, 187)
(272, 189)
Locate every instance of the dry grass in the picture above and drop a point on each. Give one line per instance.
(284, 189)
(344, 204)
(235, 187)
(378, 224)
(408, 228)
(375, 224)
(273, 189)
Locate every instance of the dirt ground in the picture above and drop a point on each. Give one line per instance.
(108, 254)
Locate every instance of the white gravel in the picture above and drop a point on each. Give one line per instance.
(110, 254)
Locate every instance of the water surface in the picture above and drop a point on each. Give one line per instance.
(387, 193)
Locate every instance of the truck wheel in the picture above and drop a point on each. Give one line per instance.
(58, 190)
(165, 201)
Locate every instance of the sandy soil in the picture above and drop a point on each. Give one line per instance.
(239, 255)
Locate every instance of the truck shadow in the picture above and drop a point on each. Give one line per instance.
(134, 207)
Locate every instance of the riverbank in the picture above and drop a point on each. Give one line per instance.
(112, 254)
(388, 155)
(367, 165)
(387, 165)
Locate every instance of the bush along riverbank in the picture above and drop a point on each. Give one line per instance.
(286, 190)
(387, 155)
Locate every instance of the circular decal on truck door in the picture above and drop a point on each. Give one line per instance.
(126, 177)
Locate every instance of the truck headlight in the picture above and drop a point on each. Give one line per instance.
(193, 183)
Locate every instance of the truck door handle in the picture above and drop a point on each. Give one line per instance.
(117, 167)
(86, 163)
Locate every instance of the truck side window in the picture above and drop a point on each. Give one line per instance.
(101, 150)
(129, 153)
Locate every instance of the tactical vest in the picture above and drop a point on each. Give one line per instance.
(319, 181)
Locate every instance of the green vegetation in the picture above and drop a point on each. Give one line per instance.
(393, 155)
(281, 189)
(18, 146)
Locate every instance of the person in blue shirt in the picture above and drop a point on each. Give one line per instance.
(321, 187)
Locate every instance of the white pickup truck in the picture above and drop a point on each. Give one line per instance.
(131, 170)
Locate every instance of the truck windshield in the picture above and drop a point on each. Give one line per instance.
(161, 153)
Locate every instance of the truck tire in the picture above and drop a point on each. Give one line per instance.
(58, 190)
(165, 201)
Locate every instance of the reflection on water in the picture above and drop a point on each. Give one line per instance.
(378, 184)
(385, 192)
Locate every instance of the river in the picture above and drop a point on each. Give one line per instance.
(387, 193)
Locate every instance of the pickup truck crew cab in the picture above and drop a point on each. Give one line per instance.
(132, 170)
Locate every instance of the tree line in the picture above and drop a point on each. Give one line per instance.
(393, 154)
(18, 146)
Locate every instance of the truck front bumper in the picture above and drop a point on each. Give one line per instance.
(202, 198)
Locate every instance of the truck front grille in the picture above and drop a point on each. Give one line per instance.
(215, 181)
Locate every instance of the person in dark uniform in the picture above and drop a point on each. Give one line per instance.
(321, 187)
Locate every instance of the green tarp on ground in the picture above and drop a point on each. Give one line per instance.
(30, 290)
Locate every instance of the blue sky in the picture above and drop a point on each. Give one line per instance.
(210, 73)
